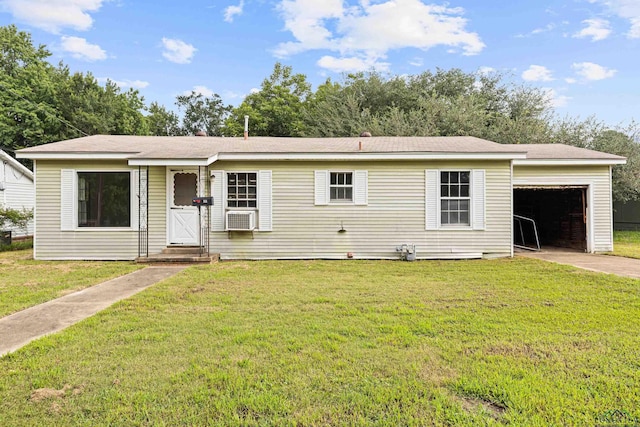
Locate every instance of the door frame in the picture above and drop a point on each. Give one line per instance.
(559, 182)
(169, 200)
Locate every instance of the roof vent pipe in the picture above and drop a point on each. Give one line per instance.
(246, 127)
(365, 134)
(201, 133)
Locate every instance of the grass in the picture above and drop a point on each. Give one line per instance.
(17, 245)
(626, 243)
(511, 341)
(25, 282)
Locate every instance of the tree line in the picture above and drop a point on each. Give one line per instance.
(41, 103)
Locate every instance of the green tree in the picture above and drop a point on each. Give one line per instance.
(94, 109)
(202, 113)
(626, 178)
(26, 91)
(276, 109)
(163, 122)
(15, 217)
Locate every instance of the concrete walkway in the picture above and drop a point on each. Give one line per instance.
(27, 325)
(627, 267)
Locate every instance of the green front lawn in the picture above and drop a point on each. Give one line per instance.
(626, 243)
(510, 341)
(25, 282)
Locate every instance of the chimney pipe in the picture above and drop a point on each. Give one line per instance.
(246, 127)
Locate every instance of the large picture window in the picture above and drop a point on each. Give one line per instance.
(242, 189)
(455, 198)
(104, 199)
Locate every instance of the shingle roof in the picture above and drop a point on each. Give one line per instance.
(191, 147)
(197, 147)
(561, 152)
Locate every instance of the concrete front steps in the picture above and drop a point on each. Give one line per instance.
(179, 255)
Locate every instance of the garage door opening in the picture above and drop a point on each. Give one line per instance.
(560, 214)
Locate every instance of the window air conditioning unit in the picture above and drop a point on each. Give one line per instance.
(241, 220)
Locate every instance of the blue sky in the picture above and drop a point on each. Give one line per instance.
(585, 53)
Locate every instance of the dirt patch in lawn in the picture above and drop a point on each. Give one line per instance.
(41, 394)
(474, 404)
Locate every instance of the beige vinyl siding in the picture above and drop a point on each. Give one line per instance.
(52, 243)
(395, 214)
(599, 195)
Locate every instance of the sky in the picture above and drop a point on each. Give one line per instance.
(584, 53)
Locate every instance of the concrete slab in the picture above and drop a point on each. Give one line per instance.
(621, 266)
(27, 325)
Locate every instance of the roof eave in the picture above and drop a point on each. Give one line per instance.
(173, 162)
(16, 164)
(60, 155)
(371, 156)
(569, 162)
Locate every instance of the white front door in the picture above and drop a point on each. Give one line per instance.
(183, 224)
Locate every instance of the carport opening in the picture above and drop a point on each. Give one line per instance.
(560, 214)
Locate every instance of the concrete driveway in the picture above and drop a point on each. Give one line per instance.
(22, 327)
(627, 267)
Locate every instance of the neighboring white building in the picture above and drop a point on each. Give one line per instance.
(120, 197)
(17, 190)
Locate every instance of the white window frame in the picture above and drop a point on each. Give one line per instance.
(226, 192)
(342, 186)
(264, 199)
(74, 208)
(458, 198)
(359, 184)
(477, 200)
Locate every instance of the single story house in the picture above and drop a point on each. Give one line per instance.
(17, 190)
(123, 197)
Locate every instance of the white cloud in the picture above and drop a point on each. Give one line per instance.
(177, 51)
(549, 27)
(254, 90)
(79, 48)
(363, 34)
(589, 71)
(53, 15)
(556, 100)
(597, 29)
(201, 90)
(537, 73)
(229, 94)
(626, 9)
(231, 11)
(135, 84)
(416, 62)
(351, 64)
(486, 70)
(571, 80)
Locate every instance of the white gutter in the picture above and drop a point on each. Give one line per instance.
(173, 162)
(73, 156)
(16, 164)
(569, 162)
(370, 156)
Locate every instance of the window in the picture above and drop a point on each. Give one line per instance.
(242, 189)
(341, 187)
(454, 198)
(104, 199)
